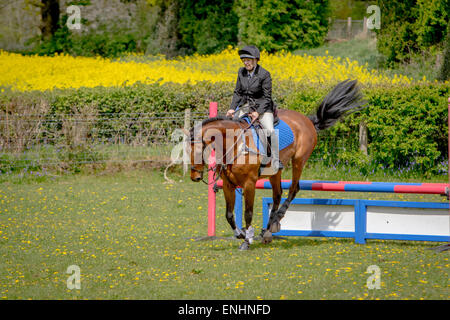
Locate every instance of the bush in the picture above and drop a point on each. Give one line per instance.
(111, 40)
(411, 27)
(408, 128)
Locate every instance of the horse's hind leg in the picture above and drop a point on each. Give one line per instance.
(228, 191)
(297, 168)
(275, 181)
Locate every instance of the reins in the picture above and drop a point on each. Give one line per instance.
(216, 175)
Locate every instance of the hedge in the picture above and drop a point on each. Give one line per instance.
(407, 126)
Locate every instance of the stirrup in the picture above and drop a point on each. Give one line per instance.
(278, 165)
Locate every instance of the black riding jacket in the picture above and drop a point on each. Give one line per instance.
(257, 91)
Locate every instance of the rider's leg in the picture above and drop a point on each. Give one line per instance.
(266, 120)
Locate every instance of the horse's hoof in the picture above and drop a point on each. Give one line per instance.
(267, 237)
(262, 232)
(239, 234)
(244, 246)
(275, 227)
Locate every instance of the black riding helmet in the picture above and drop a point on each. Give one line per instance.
(249, 52)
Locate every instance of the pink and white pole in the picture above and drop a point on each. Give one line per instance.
(211, 193)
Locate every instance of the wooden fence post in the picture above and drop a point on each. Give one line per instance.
(365, 28)
(349, 27)
(363, 137)
(187, 126)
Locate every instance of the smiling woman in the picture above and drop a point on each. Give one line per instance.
(253, 96)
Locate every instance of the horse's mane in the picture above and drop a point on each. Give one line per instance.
(208, 120)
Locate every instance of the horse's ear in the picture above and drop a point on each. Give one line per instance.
(186, 132)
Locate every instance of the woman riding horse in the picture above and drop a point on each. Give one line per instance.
(243, 170)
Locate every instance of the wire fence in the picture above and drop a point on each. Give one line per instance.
(67, 141)
(349, 29)
(34, 140)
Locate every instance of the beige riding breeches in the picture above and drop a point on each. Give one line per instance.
(266, 119)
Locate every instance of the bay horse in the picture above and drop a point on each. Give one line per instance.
(242, 168)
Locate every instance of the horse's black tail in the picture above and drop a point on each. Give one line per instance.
(344, 99)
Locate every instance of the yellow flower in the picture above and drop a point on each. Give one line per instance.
(25, 73)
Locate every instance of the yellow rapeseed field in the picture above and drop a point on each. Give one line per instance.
(26, 73)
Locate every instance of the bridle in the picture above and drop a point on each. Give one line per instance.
(214, 169)
(218, 167)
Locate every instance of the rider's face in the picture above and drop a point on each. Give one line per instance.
(249, 63)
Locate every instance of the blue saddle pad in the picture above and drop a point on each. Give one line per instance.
(285, 136)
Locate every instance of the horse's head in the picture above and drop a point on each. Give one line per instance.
(201, 137)
(197, 145)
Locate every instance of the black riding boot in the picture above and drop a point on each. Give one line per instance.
(269, 153)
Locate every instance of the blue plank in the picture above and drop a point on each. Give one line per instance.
(410, 237)
(316, 233)
(360, 222)
(369, 187)
(238, 207)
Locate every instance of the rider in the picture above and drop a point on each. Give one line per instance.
(253, 95)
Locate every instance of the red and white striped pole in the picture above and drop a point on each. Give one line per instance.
(211, 193)
(448, 190)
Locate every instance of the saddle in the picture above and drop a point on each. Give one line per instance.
(285, 138)
(285, 134)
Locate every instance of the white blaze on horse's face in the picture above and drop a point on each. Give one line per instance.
(196, 150)
(202, 144)
(196, 166)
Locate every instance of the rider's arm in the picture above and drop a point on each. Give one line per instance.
(265, 102)
(237, 96)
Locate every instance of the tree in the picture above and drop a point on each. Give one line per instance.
(49, 18)
(444, 73)
(283, 25)
(207, 26)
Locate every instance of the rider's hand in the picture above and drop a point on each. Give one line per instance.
(230, 113)
(254, 115)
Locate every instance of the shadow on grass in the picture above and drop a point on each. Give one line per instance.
(299, 242)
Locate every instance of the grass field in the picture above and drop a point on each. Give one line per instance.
(131, 235)
(365, 52)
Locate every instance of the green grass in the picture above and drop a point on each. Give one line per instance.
(362, 50)
(131, 234)
(365, 52)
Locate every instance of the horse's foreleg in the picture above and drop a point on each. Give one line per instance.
(297, 168)
(229, 194)
(275, 182)
(249, 199)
